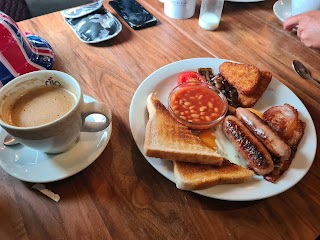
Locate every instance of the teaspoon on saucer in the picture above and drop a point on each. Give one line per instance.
(303, 71)
(10, 141)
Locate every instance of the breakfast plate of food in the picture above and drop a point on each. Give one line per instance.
(264, 139)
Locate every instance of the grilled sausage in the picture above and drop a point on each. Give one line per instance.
(257, 156)
(269, 138)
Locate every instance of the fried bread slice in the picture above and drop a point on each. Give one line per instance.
(190, 176)
(165, 138)
(244, 77)
(250, 100)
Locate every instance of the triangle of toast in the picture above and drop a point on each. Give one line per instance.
(165, 138)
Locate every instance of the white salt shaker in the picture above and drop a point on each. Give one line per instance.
(180, 9)
(210, 14)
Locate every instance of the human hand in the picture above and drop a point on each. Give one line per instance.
(308, 25)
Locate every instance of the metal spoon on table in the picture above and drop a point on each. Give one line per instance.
(10, 141)
(303, 71)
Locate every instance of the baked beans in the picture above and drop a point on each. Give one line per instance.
(197, 104)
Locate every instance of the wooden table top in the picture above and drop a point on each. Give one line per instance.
(120, 195)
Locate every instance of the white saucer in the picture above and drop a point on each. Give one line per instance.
(31, 165)
(282, 9)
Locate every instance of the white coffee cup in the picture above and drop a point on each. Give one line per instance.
(180, 9)
(61, 133)
(301, 6)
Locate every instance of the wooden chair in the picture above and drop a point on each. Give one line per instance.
(16, 9)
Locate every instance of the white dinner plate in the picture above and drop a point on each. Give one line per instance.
(165, 78)
(30, 165)
(282, 9)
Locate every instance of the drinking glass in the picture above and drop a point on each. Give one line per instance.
(210, 14)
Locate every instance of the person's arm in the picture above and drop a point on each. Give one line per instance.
(308, 25)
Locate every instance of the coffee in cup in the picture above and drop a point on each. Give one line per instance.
(45, 111)
(51, 101)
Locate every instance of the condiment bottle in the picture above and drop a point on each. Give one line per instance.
(179, 9)
(210, 14)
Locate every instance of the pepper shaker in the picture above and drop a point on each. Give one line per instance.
(179, 9)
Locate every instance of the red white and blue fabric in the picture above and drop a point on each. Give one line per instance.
(21, 53)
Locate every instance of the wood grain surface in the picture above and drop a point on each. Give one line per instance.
(120, 195)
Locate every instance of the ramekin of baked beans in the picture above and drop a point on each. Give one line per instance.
(197, 105)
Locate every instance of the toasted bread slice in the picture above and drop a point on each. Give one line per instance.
(245, 78)
(165, 138)
(189, 176)
(250, 100)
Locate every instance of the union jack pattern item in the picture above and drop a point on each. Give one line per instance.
(21, 53)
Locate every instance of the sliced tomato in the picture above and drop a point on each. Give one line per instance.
(190, 76)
